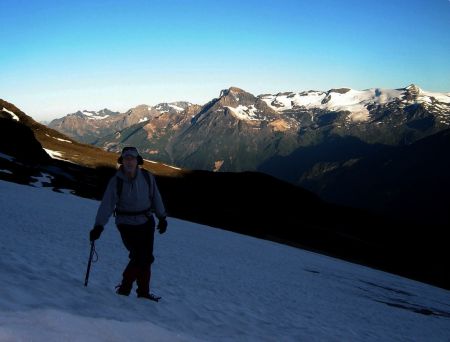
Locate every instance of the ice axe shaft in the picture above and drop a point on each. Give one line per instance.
(91, 255)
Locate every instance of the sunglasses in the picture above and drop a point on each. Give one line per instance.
(129, 148)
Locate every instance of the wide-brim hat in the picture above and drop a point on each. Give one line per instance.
(129, 151)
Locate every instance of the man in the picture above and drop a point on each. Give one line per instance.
(132, 194)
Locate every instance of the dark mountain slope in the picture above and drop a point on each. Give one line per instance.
(410, 182)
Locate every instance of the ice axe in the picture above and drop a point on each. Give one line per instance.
(91, 256)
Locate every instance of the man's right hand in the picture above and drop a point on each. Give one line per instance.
(162, 225)
(95, 232)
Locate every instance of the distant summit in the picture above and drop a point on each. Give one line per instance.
(88, 126)
(231, 90)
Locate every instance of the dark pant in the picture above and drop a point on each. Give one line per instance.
(138, 240)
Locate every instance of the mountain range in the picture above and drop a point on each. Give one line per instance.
(306, 138)
(242, 132)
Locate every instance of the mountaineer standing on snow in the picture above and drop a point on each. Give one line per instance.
(133, 196)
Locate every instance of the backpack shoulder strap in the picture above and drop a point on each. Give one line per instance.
(151, 189)
(148, 178)
(146, 175)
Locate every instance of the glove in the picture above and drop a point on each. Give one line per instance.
(162, 225)
(95, 232)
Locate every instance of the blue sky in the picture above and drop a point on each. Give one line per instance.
(60, 56)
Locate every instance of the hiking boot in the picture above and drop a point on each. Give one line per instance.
(149, 296)
(122, 291)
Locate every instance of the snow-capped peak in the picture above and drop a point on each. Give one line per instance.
(414, 88)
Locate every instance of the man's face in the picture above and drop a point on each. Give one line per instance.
(129, 163)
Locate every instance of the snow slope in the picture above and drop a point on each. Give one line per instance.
(244, 112)
(95, 115)
(216, 285)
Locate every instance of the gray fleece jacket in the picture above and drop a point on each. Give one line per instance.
(136, 195)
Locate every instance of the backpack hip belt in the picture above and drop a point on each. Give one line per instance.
(146, 212)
